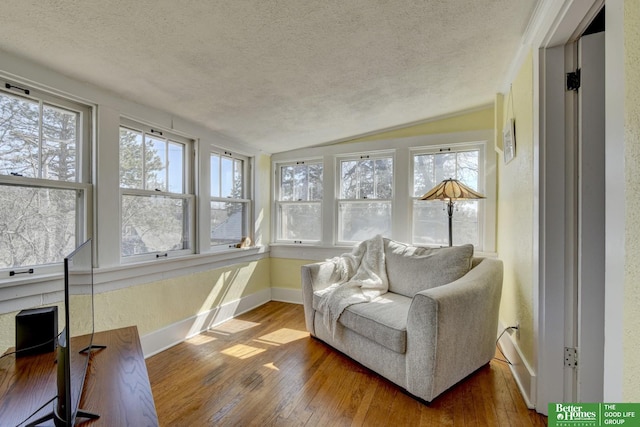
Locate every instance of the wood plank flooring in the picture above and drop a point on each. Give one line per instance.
(263, 369)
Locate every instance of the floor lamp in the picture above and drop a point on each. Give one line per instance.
(451, 190)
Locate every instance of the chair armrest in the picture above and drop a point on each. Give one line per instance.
(315, 277)
(451, 329)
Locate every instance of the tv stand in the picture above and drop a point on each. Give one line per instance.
(116, 386)
(93, 347)
(52, 416)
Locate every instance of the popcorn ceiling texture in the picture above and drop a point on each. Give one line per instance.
(631, 369)
(279, 75)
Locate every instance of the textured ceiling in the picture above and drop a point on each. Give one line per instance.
(278, 75)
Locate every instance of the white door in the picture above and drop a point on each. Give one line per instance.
(591, 219)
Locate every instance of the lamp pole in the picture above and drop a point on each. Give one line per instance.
(450, 213)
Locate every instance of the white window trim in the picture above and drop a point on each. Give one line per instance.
(276, 202)
(246, 193)
(454, 148)
(83, 182)
(401, 205)
(188, 193)
(369, 155)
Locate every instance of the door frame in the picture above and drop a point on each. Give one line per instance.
(564, 21)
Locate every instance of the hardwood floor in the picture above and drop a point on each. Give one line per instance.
(263, 369)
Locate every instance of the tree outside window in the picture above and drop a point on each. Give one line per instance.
(430, 226)
(299, 202)
(229, 204)
(155, 202)
(365, 197)
(42, 196)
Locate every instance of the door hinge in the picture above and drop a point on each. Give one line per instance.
(570, 357)
(573, 80)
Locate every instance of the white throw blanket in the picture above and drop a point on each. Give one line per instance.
(363, 277)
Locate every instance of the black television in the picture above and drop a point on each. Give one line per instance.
(73, 354)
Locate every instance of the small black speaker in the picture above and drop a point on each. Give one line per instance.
(36, 331)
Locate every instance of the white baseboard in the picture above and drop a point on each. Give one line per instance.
(523, 374)
(162, 339)
(287, 295)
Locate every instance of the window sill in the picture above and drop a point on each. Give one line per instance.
(27, 292)
(107, 279)
(323, 252)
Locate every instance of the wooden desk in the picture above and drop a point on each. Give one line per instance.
(116, 386)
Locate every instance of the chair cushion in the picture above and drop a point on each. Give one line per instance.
(383, 320)
(412, 269)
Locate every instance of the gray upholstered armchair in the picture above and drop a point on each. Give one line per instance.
(436, 325)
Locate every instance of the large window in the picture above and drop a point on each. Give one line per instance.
(230, 203)
(365, 197)
(299, 202)
(156, 194)
(44, 178)
(430, 224)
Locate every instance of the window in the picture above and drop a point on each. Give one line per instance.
(156, 195)
(229, 200)
(299, 202)
(430, 224)
(44, 177)
(365, 197)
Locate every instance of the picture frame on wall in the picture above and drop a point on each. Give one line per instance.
(509, 140)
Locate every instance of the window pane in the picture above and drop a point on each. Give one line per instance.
(384, 178)
(353, 228)
(300, 221)
(315, 181)
(153, 224)
(156, 163)
(423, 174)
(227, 222)
(301, 183)
(366, 178)
(468, 168)
(445, 166)
(59, 144)
(37, 226)
(176, 167)
(431, 224)
(286, 183)
(238, 182)
(227, 177)
(19, 136)
(131, 171)
(349, 179)
(215, 175)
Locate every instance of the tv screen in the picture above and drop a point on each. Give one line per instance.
(78, 332)
(76, 339)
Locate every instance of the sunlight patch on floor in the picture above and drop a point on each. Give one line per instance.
(271, 366)
(282, 336)
(233, 326)
(200, 339)
(242, 351)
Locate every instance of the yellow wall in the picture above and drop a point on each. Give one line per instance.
(155, 305)
(631, 312)
(474, 120)
(285, 272)
(515, 212)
